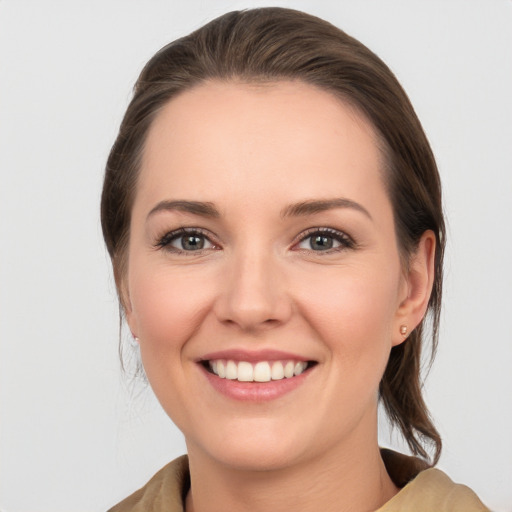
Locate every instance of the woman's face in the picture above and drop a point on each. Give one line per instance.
(262, 245)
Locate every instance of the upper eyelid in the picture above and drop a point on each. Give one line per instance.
(331, 231)
(168, 236)
(322, 229)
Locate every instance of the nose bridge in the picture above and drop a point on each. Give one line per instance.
(253, 293)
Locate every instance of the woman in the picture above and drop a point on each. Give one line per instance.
(273, 213)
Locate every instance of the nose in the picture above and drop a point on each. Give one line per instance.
(253, 293)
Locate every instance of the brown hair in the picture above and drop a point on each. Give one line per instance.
(271, 44)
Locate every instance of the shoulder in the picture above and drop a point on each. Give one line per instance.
(428, 490)
(164, 492)
(434, 490)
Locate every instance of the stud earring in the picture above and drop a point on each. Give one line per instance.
(403, 330)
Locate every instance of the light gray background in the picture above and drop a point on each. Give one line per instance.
(74, 437)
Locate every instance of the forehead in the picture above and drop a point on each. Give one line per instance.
(238, 138)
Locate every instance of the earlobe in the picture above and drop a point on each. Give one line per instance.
(418, 287)
(126, 305)
(130, 320)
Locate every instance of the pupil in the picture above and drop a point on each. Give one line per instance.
(192, 242)
(321, 242)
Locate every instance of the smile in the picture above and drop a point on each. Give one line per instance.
(261, 371)
(255, 376)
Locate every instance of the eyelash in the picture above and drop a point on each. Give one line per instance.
(345, 241)
(165, 241)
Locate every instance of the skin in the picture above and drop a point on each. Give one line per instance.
(258, 284)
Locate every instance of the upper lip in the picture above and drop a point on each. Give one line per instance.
(253, 356)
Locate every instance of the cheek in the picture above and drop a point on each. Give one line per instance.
(353, 312)
(167, 307)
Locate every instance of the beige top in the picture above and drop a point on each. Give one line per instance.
(423, 489)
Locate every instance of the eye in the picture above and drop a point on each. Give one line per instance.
(185, 240)
(325, 240)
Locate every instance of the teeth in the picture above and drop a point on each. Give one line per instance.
(299, 368)
(288, 369)
(231, 370)
(263, 371)
(221, 369)
(277, 371)
(245, 372)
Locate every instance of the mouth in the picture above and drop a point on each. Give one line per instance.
(256, 371)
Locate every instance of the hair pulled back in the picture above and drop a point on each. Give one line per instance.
(271, 44)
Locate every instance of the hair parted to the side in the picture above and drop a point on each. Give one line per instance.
(271, 44)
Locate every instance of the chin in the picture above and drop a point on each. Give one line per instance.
(260, 448)
(251, 457)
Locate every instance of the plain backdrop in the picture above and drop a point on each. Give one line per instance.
(74, 434)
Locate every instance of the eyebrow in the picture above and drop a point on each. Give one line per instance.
(203, 209)
(313, 206)
(302, 208)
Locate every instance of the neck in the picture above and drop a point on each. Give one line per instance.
(341, 480)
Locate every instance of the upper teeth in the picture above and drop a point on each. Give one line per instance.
(263, 371)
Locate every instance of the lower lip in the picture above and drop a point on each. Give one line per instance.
(255, 391)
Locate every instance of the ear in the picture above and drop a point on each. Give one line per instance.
(128, 314)
(126, 305)
(416, 288)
